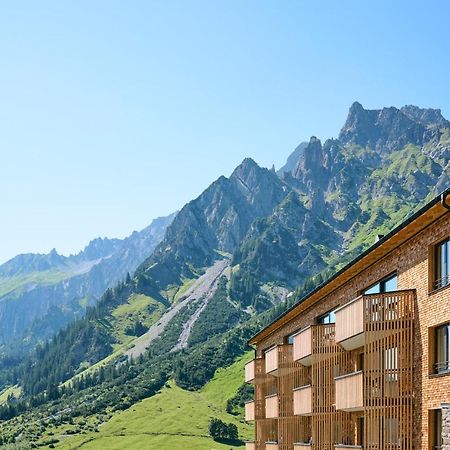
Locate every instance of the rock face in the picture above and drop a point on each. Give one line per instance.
(215, 222)
(48, 291)
(330, 199)
(291, 162)
(277, 230)
(389, 129)
(345, 191)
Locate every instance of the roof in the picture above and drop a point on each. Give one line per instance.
(418, 221)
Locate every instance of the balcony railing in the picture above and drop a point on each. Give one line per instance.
(249, 411)
(302, 351)
(441, 282)
(350, 324)
(441, 367)
(368, 312)
(278, 359)
(302, 446)
(272, 406)
(349, 392)
(303, 401)
(272, 446)
(254, 370)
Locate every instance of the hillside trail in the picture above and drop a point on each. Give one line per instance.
(203, 288)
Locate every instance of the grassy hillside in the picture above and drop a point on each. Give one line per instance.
(174, 419)
(20, 282)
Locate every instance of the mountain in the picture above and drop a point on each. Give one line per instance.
(232, 259)
(211, 225)
(40, 293)
(292, 160)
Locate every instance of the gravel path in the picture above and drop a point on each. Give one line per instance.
(203, 288)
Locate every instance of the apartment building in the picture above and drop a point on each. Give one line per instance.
(363, 360)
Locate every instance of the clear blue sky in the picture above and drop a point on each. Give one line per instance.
(112, 113)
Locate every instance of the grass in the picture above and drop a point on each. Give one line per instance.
(13, 390)
(173, 419)
(138, 307)
(19, 282)
(187, 283)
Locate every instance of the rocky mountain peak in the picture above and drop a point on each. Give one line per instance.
(293, 158)
(383, 130)
(429, 117)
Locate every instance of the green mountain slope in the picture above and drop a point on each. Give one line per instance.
(173, 419)
(41, 293)
(268, 234)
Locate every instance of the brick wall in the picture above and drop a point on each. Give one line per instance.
(412, 262)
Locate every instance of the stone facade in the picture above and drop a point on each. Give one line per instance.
(445, 408)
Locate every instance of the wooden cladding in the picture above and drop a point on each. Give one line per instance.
(249, 371)
(271, 360)
(388, 376)
(350, 324)
(303, 401)
(278, 359)
(249, 411)
(310, 396)
(302, 351)
(272, 407)
(272, 446)
(329, 426)
(349, 392)
(254, 370)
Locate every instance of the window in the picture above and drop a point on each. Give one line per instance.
(391, 363)
(329, 317)
(387, 284)
(436, 433)
(442, 264)
(360, 362)
(442, 348)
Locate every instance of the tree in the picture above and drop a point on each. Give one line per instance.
(221, 430)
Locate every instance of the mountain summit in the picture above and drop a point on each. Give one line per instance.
(390, 128)
(250, 243)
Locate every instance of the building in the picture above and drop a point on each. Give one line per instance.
(363, 360)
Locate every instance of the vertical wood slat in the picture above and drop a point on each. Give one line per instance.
(302, 346)
(349, 392)
(389, 324)
(350, 319)
(387, 384)
(249, 408)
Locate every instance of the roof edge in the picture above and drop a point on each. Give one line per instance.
(440, 198)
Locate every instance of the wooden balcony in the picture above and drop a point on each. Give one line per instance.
(303, 401)
(350, 324)
(250, 446)
(272, 406)
(302, 351)
(254, 370)
(302, 446)
(272, 446)
(349, 392)
(278, 359)
(271, 358)
(368, 311)
(249, 411)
